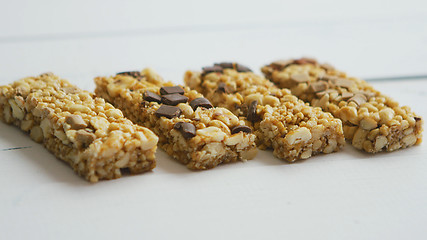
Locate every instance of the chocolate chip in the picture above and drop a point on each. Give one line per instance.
(134, 74)
(200, 102)
(241, 128)
(417, 119)
(216, 68)
(241, 68)
(225, 65)
(219, 68)
(342, 82)
(174, 99)
(171, 90)
(252, 115)
(347, 95)
(300, 77)
(151, 97)
(302, 61)
(317, 86)
(235, 66)
(168, 111)
(76, 122)
(187, 130)
(222, 87)
(358, 98)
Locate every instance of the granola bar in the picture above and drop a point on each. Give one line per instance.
(372, 121)
(279, 120)
(90, 135)
(190, 129)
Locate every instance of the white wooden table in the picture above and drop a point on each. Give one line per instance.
(345, 195)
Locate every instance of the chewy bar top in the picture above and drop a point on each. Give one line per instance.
(87, 133)
(280, 121)
(371, 121)
(190, 129)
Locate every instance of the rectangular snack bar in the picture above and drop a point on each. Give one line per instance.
(372, 121)
(280, 121)
(90, 135)
(190, 129)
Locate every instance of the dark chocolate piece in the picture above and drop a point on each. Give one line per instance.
(231, 65)
(222, 87)
(216, 68)
(151, 97)
(225, 65)
(168, 111)
(134, 74)
(187, 130)
(171, 90)
(252, 115)
(241, 128)
(241, 68)
(200, 102)
(174, 99)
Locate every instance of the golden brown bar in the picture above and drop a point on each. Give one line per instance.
(90, 135)
(190, 129)
(280, 121)
(372, 121)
